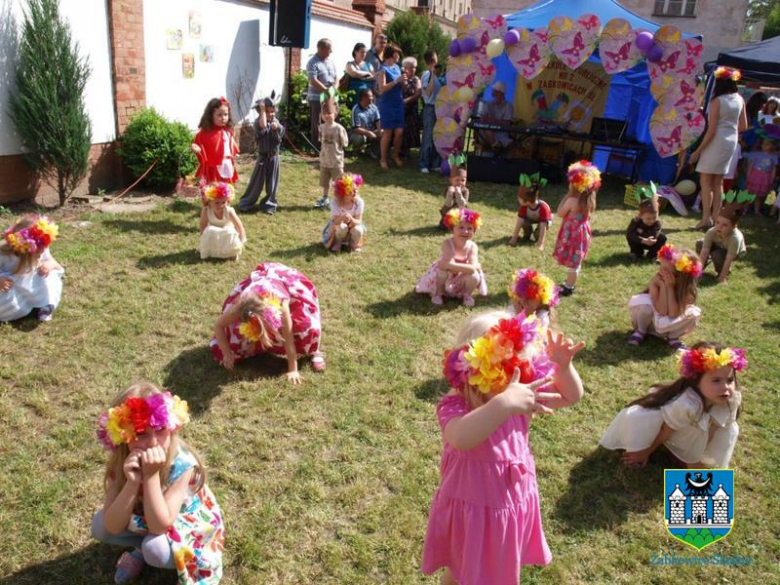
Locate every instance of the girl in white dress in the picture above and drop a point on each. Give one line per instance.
(695, 417)
(30, 277)
(222, 234)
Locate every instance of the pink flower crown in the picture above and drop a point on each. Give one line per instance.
(532, 285)
(584, 176)
(32, 239)
(347, 184)
(488, 362)
(455, 216)
(123, 423)
(681, 260)
(728, 73)
(270, 315)
(217, 192)
(707, 359)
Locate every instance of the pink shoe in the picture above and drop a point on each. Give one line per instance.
(437, 300)
(318, 363)
(129, 567)
(468, 301)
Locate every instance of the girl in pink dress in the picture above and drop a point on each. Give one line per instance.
(576, 209)
(485, 522)
(457, 272)
(275, 309)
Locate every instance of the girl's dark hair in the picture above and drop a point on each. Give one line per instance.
(723, 86)
(429, 55)
(207, 119)
(661, 394)
(358, 47)
(754, 104)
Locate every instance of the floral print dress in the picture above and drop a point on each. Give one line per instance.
(573, 242)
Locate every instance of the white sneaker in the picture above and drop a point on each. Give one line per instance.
(322, 203)
(424, 170)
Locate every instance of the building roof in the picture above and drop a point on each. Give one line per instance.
(342, 14)
(721, 494)
(677, 494)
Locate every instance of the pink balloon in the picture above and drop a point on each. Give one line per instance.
(512, 37)
(468, 45)
(655, 54)
(644, 41)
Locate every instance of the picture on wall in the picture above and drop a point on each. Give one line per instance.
(207, 53)
(174, 39)
(195, 24)
(188, 65)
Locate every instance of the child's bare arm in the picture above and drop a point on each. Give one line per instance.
(238, 224)
(204, 219)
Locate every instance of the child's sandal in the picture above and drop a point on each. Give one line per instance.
(318, 363)
(636, 338)
(676, 344)
(129, 567)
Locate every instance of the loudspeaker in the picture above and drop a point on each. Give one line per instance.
(499, 170)
(290, 21)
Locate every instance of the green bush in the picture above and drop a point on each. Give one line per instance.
(415, 34)
(297, 116)
(150, 137)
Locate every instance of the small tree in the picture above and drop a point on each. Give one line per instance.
(772, 26)
(48, 105)
(415, 34)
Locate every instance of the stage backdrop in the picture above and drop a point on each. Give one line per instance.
(559, 96)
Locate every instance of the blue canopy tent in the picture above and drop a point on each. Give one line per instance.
(629, 95)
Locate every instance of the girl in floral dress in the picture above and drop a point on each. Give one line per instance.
(576, 209)
(275, 309)
(157, 500)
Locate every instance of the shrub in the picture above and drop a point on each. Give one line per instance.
(415, 34)
(150, 137)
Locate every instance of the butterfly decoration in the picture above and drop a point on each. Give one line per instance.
(448, 136)
(531, 54)
(672, 131)
(617, 46)
(573, 41)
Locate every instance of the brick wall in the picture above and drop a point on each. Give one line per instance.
(126, 24)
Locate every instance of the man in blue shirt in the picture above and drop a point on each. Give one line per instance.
(365, 131)
(429, 158)
(322, 75)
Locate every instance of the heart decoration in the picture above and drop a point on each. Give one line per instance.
(448, 136)
(683, 95)
(617, 47)
(449, 106)
(531, 54)
(573, 41)
(673, 131)
(467, 26)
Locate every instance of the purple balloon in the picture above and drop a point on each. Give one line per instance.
(512, 37)
(468, 45)
(445, 168)
(644, 41)
(455, 48)
(655, 54)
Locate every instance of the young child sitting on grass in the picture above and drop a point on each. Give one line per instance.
(346, 215)
(644, 232)
(532, 211)
(457, 194)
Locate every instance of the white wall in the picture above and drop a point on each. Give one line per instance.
(343, 37)
(88, 20)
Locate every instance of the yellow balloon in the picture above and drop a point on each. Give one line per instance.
(465, 94)
(494, 48)
(685, 187)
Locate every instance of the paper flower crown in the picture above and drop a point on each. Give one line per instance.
(217, 192)
(584, 176)
(728, 73)
(347, 184)
(32, 239)
(707, 359)
(682, 261)
(534, 286)
(488, 362)
(536, 181)
(455, 216)
(136, 415)
(270, 315)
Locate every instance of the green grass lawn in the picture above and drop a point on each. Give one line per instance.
(330, 482)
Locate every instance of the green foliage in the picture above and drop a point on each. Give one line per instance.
(700, 539)
(416, 34)
(296, 113)
(48, 105)
(150, 137)
(772, 26)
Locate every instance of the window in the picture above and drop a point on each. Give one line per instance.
(675, 8)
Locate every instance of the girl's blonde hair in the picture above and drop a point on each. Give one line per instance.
(475, 327)
(114, 466)
(251, 307)
(27, 262)
(686, 285)
(586, 202)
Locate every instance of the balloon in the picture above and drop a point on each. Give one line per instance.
(467, 45)
(685, 187)
(445, 168)
(454, 48)
(644, 41)
(465, 94)
(655, 54)
(512, 37)
(494, 48)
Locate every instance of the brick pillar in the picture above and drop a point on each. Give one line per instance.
(126, 26)
(374, 11)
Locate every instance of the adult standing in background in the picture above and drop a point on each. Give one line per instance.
(412, 91)
(375, 57)
(361, 73)
(322, 75)
(727, 117)
(391, 105)
(431, 84)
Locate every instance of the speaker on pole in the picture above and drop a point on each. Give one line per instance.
(290, 23)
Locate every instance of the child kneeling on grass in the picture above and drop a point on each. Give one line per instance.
(346, 215)
(724, 242)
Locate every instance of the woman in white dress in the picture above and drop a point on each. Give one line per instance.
(727, 118)
(695, 417)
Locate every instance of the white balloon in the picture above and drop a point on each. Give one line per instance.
(465, 94)
(685, 187)
(494, 48)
